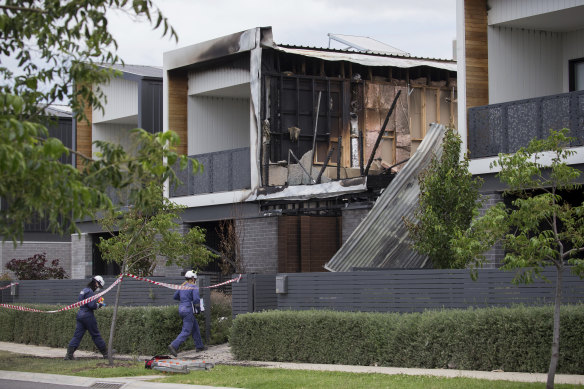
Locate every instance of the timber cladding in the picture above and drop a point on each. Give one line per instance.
(307, 243)
(476, 48)
(177, 107)
(83, 135)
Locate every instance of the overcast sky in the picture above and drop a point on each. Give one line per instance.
(424, 28)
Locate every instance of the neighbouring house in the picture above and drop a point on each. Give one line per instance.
(133, 100)
(520, 73)
(37, 239)
(291, 176)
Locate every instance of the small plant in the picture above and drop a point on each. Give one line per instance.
(35, 268)
(5, 277)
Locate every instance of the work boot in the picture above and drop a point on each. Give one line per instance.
(103, 352)
(70, 351)
(201, 349)
(172, 350)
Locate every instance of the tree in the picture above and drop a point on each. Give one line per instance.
(447, 202)
(145, 226)
(56, 47)
(541, 229)
(35, 268)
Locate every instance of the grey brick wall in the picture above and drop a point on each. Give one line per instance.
(81, 255)
(54, 250)
(258, 239)
(351, 219)
(494, 257)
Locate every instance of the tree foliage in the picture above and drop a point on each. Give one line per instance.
(541, 229)
(447, 202)
(57, 51)
(36, 268)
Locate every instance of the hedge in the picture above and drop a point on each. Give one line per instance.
(510, 339)
(139, 330)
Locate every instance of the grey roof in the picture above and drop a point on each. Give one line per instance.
(139, 70)
(381, 240)
(63, 111)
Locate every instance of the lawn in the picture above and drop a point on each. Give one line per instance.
(249, 377)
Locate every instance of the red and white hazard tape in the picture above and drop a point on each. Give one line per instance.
(117, 281)
(180, 287)
(8, 286)
(68, 307)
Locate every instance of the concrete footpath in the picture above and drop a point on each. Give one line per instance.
(222, 355)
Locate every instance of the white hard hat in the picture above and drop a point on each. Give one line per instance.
(190, 274)
(99, 280)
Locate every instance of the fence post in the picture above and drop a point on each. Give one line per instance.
(205, 294)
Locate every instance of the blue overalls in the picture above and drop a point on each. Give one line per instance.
(188, 298)
(86, 322)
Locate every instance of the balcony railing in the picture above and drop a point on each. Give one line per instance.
(506, 127)
(222, 171)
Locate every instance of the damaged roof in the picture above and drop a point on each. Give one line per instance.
(368, 59)
(381, 240)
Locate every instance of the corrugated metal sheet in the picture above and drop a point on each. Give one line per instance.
(122, 101)
(212, 81)
(524, 64)
(381, 240)
(370, 59)
(217, 124)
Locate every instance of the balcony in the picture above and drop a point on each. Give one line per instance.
(223, 171)
(506, 127)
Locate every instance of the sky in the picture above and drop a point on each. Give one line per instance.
(424, 28)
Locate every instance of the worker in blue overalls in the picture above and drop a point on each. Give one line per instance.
(86, 320)
(189, 305)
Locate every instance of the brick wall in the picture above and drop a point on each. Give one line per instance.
(351, 219)
(54, 250)
(494, 257)
(258, 239)
(81, 255)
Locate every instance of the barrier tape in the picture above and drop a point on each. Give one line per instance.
(68, 307)
(181, 287)
(117, 281)
(8, 286)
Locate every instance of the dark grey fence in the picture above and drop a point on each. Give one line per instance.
(398, 290)
(222, 171)
(253, 293)
(65, 292)
(505, 127)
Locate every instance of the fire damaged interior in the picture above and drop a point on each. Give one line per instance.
(291, 132)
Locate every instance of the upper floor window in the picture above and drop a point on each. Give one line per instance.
(576, 74)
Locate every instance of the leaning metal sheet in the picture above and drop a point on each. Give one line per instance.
(381, 240)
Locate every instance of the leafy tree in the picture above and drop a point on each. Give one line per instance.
(541, 229)
(147, 228)
(36, 268)
(55, 49)
(447, 202)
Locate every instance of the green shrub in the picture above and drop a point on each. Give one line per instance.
(139, 330)
(511, 339)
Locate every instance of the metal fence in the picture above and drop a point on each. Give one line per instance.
(222, 171)
(397, 290)
(65, 292)
(505, 127)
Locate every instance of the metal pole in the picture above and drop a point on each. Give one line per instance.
(297, 160)
(380, 135)
(314, 135)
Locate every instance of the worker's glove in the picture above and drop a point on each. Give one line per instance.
(101, 302)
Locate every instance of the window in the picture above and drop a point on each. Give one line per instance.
(576, 74)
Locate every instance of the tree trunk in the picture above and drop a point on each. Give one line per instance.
(556, 332)
(110, 342)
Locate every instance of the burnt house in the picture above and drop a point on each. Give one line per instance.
(296, 142)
